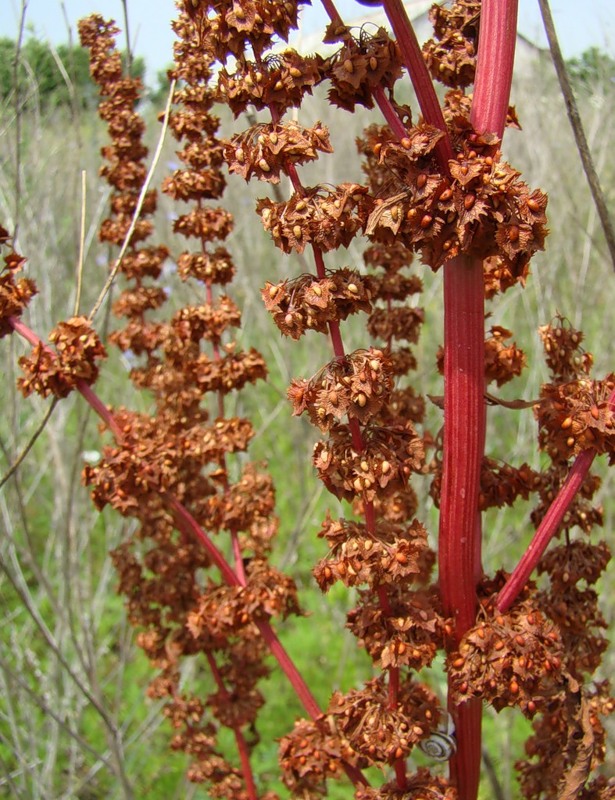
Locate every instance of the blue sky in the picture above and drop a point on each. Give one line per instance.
(152, 37)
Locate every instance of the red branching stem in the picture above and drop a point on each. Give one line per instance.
(301, 689)
(186, 522)
(546, 530)
(419, 75)
(83, 388)
(242, 747)
(400, 774)
(389, 113)
(238, 556)
(494, 65)
(290, 670)
(549, 525)
(332, 11)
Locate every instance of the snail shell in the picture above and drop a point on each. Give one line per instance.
(440, 746)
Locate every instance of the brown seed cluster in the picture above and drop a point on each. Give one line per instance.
(265, 150)
(326, 217)
(451, 56)
(310, 754)
(510, 659)
(15, 295)
(306, 303)
(182, 449)
(408, 634)
(422, 785)
(74, 360)
(362, 64)
(482, 208)
(357, 386)
(394, 554)
(389, 456)
(378, 732)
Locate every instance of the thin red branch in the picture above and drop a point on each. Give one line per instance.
(546, 530)
(419, 75)
(240, 741)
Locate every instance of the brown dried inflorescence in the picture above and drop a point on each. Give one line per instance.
(74, 360)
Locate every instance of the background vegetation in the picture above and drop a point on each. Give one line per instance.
(74, 722)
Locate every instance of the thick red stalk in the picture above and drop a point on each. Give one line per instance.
(464, 383)
(459, 542)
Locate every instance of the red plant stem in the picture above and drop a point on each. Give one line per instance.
(242, 747)
(494, 65)
(464, 423)
(549, 525)
(419, 75)
(546, 530)
(186, 522)
(464, 384)
(92, 399)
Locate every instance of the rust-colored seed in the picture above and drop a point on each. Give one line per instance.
(421, 180)
(297, 231)
(278, 86)
(533, 205)
(513, 233)
(373, 63)
(377, 148)
(459, 662)
(468, 201)
(399, 753)
(499, 645)
(570, 441)
(531, 707)
(349, 66)
(401, 558)
(464, 169)
(406, 143)
(333, 398)
(514, 687)
(426, 221)
(401, 648)
(595, 412)
(328, 573)
(446, 195)
(520, 640)
(341, 568)
(295, 72)
(566, 423)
